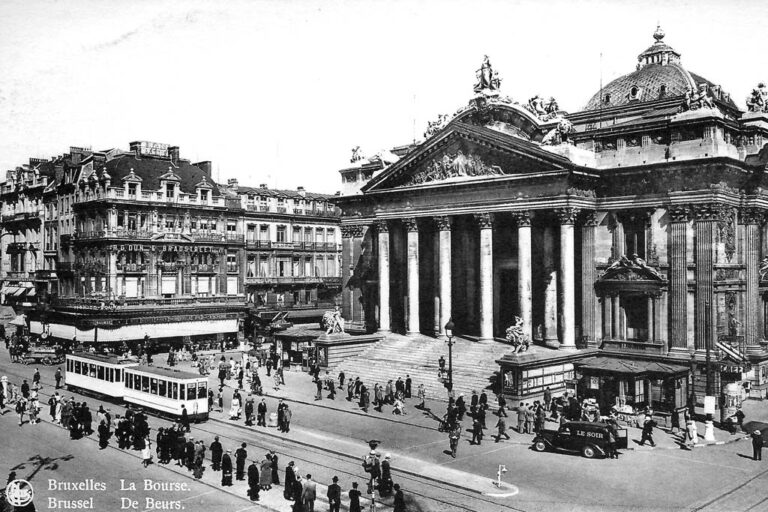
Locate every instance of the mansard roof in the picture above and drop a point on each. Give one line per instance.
(151, 170)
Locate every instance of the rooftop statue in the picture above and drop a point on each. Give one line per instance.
(543, 109)
(357, 155)
(757, 101)
(487, 78)
(697, 99)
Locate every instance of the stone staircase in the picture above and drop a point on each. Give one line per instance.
(474, 364)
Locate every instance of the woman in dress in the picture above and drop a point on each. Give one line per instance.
(146, 452)
(234, 410)
(265, 473)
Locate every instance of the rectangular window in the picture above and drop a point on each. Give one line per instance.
(92, 370)
(231, 262)
(162, 388)
(118, 378)
(202, 392)
(639, 391)
(137, 382)
(191, 391)
(153, 386)
(111, 376)
(77, 367)
(132, 190)
(169, 188)
(145, 384)
(231, 228)
(281, 233)
(204, 195)
(182, 394)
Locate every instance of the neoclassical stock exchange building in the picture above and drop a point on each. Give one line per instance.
(628, 237)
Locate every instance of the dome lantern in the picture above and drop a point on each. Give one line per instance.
(659, 52)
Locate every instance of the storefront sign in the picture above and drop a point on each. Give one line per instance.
(594, 383)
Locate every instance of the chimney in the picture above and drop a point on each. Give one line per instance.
(135, 147)
(173, 152)
(205, 166)
(263, 185)
(302, 193)
(232, 184)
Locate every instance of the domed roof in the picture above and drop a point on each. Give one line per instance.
(658, 75)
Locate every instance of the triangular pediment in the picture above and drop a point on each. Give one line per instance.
(464, 153)
(631, 269)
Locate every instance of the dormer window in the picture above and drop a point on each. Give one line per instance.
(662, 90)
(633, 92)
(204, 196)
(607, 98)
(132, 190)
(169, 189)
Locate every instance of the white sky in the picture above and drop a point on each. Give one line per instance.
(278, 92)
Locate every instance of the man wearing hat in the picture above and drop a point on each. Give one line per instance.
(308, 494)
(334, 495)
(253, 481)
(757, 445)
(386, 475)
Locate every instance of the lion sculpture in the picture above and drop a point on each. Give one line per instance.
(517, 337)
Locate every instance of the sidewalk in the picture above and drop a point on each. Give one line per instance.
(300, 389)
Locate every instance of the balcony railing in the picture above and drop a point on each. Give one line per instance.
(133, 234)
(258, 244)
(88, 235)
(203, 268)
(633, 346)
(64, 266)
(208, 237)
(282, 245)
(170, 266)
(132, 267)
(282, 209)
(46, 274)
(156, 197)
(235, 238)
(20, 274)
(285, 280)
(95, 304)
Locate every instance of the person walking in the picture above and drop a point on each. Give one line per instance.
(354, 498)
(253, 481)
(146, 452)
(334, 495)
(502, 405)
(350, 390)
(521, 418)
(216, 454)
(58, 377)
(21, 406)
(184, 418)
(319, 386)
(647, 434)
(501, 425)
(757, 445)
(275, 468)
(610, 448)
(36, 378)
(399, 504)
(341, 380)
(309, 494)
(290, 481)
(287, 414)
(422, 394)
(249, 412)
(261, 416)
(408, 383)
(226, 469)
(477, 432)
(103, 435)
(241, 454)
(265, 473)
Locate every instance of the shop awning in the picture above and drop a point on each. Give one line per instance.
(20, 320)
(613, 365)
(19, 291)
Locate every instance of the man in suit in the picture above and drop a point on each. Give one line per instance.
(757, 445)
(240, 455)
(408, 383)
(261, 417)
(216, 453)
(308, 494)
(334, 495)
(253, 481)
(226, 469)
(521, 418)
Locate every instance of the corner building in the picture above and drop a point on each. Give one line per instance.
(627, 237)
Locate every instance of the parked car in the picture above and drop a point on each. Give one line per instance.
(588, 438)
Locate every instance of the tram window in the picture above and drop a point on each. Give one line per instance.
(201, 392)
(153, 386)
(77, 366)
(174, 390)
(111, 374)
(137, 382)
(100, 372)
(117, 376)
(92, 370)
(145, 384)
(182, 394)
(191, 391)
(162, 388)
(69, 365)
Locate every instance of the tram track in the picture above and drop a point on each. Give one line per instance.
(447, 495)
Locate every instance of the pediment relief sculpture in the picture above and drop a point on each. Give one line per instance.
(633, 268)
(453, 166)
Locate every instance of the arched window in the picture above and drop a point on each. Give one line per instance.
(607, 98)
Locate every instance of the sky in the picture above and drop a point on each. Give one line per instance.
(278, 92)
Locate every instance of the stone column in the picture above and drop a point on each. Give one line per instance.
(678, 276)
(588, 278)
(607, 317)
(112, 255)
(567, 218)
(752, 218)
(550, 289)
(485, 221)
(617, 237)
(346, 272)
(382, 229)
(706, 217)
(357, 314)
(657, 313)
(151, 275)
(649, 320)
(446, 296)
(412, 229)
(524, 276)
(615, 317)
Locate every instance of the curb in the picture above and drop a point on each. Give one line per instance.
(703, 444)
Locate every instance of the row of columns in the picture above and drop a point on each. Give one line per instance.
(562, 277)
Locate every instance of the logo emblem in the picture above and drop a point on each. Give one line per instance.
(18, 493)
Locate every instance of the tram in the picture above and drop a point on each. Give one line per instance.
(166, 390)
(163, 390)
(96, 373)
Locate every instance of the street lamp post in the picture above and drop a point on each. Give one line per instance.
(449, 334)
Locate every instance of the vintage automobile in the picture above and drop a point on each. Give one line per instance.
(588, 438)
